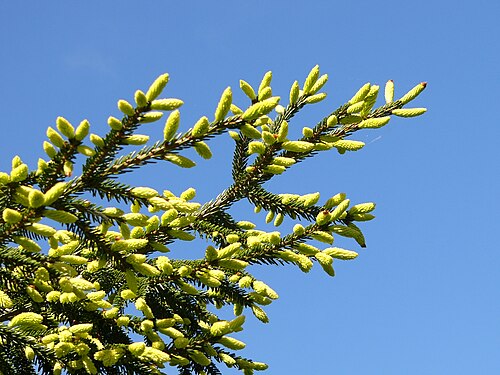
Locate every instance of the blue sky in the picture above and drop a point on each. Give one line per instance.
(423, 297)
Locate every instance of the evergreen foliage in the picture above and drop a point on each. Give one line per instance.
(79, 282)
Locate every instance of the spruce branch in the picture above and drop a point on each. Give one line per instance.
(160, 150)
(112, 144)
(78, 289)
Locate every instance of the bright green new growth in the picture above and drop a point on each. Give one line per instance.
(78, 279)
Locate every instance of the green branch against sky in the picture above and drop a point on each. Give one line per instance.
(89, 289)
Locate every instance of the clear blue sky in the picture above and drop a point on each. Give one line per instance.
(423, 297)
